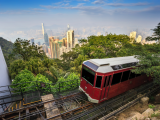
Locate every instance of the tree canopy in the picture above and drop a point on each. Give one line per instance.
(156, 34)
(25, 50)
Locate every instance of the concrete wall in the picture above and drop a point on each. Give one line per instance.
(4, 76)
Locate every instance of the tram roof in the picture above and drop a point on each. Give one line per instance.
(106, 65)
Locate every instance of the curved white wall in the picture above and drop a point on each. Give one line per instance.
(4, 76)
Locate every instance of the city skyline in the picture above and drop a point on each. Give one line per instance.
(23, 18)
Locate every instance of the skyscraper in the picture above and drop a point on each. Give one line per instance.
(98, 33)
(32, 40)
(39, 43)
(43, 29)
(133, 36)
(106, 33)
(70, 39)
(139, 38)
(68, 27)
(46, 39)
(45, 35)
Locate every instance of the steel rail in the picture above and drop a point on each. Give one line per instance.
(37, 104)
(77, 96)
(110, 104)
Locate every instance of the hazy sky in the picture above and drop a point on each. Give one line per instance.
(23, 18)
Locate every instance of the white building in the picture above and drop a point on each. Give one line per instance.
(75, 41)
(139, 38)
(133, 35)
(70, 39)
(63, 49)
(99, 33)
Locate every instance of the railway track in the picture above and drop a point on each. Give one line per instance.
(76, 106)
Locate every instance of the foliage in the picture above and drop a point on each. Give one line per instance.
(16, 67)
(70, 82)
(149, 60)
(35, 65)
(6, 47)
(77, 63)
(26, 51)
(23, 80)
(150, 65)
(27, 82)
(155, 115)
(48, 63)
(104, 46)
(36, 84)
(156, 34)
(151, 106)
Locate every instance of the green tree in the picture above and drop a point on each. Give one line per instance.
(156, 34)
(16, 67)
(71, 82)
(150, 65)
(26, 51)
(77, 63)
(149, 60)
(22, 80)
(35, 65)
(37, 84)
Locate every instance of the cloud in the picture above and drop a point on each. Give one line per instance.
(126, 4)
(2, 33)
(98, 2)
(37, 9)
(22, 12)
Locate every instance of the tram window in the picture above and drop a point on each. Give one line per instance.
(116, 78)
(125, 76)
(108, 80)
(138, 75)
(142, 73)
(98, 81)
(126, 65)
(116, 67)
(132, 75)
(105, 80)
(88, 75)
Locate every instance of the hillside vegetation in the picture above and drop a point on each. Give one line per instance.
(6, 47)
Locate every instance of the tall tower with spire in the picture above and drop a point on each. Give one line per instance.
(68, 27)
(45, 35)
(43, 29)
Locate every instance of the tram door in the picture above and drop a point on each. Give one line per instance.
(105, 86)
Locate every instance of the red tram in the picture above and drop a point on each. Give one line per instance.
(102, 79)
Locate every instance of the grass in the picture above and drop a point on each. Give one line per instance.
(155, 115)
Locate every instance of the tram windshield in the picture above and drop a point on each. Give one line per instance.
(88, 75)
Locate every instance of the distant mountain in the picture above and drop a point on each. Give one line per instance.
(6, 47)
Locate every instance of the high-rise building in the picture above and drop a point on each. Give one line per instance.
(43, 29)
(75, 42)
(32, 40)
(39, 43)
(68, 27)
(70, 39)
(46, 39)
(99, 33)
(139, 38)
(55, 46)
(45, 48)
(106, 33)
(133, 36)
(45, 35)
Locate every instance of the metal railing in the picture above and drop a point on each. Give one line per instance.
(18, 92)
